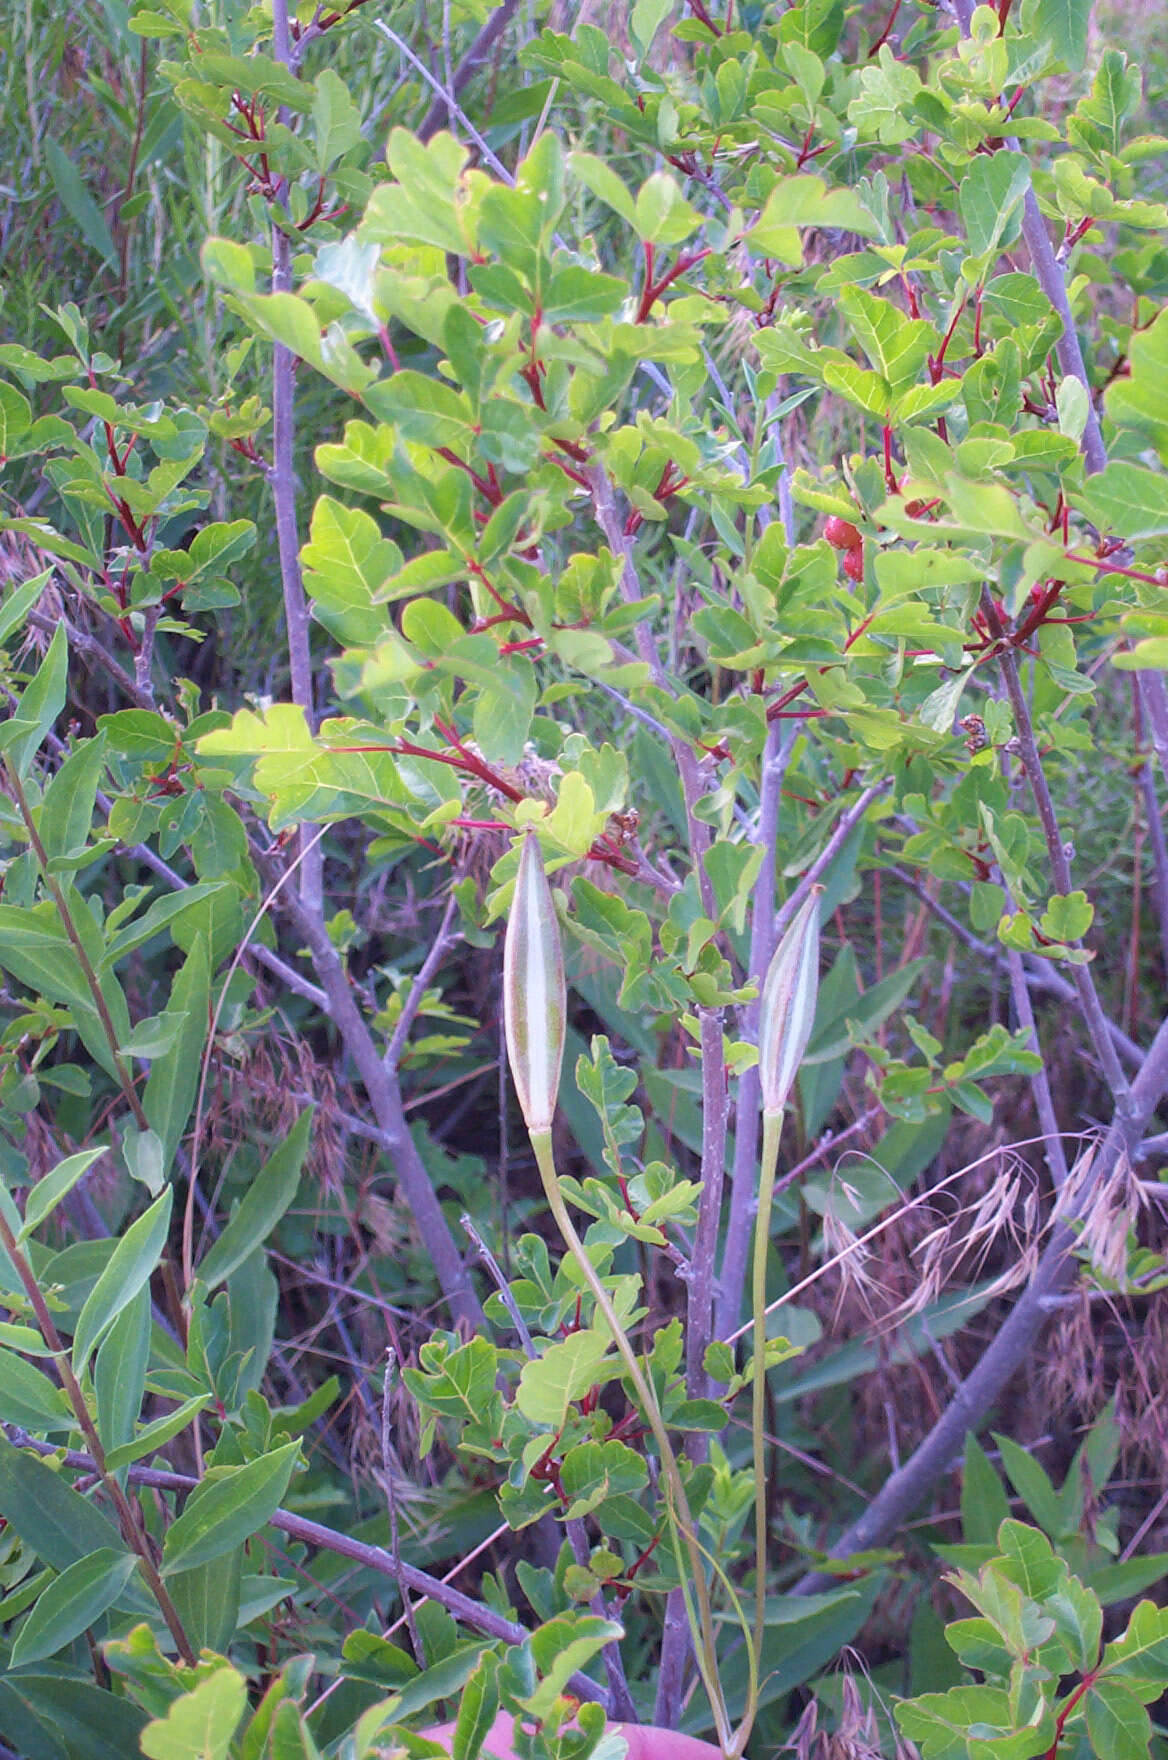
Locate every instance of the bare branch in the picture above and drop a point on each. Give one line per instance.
(94, 653)
(448, 102)
(743, 1193)
(1052, 1141)
(374, 1558)
(1060, 866)
(1015, 1340)
(385, 1099)
(282, 476)
(444, 939)
(438, 115)
(1041, 974)
(848, 822)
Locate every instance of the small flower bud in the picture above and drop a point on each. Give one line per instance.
(787, 1010)
(534, 991)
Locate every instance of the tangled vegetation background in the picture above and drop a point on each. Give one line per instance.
(727, 441)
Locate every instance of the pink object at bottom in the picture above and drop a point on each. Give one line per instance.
(646, 1742)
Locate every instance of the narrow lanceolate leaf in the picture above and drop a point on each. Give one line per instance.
(787, 1011)
(48, 1192)
(54, 1521)
(174, 1077)
(262, 1206)
(77, 1599)
(226, 1511)
(534, 991)
(29, 1398)
(129, 1266)
(42, 701)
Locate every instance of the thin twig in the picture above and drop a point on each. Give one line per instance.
(437, 115)
(506, 1294)
(385, 1099)
(1040, 973)
(1052, 1141)
(282, 476)
(374, 1558)
(1014, 1341)
(388, 1480)
(1155, 701)
(1060, 867)
(94, 652)
(777, 750)
(1155, 826)
(448, 100)
(444, 939)
(1056, 1160)
(847, 824)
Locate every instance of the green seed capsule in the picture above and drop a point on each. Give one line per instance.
(534, 991)
(787, 1010)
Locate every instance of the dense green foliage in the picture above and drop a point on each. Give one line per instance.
(718, 455)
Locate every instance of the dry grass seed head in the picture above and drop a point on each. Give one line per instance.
(1140, 1380)
(962, 1245)
(1106, 1211)
(269, 1085)
(857, 1737)
(856, 1279)
(912, 1257)
(1074, 1371)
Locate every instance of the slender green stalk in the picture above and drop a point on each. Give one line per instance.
(786, 1016)
(678, 1504)
(772, 1130)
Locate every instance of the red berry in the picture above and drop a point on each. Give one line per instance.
(840, 534)
(854, 563)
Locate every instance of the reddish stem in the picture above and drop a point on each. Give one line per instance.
(1084, 1687)
(652, 290)
(1131, 574)
(886, 32)
(890, 481)
(698, 9)
(1073, 234)
(515, 612)
(328, 21)
(490, 491)
(460, 759)
(937, 361)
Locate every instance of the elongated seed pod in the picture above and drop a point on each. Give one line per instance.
(534, 991)
(787, 1010)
